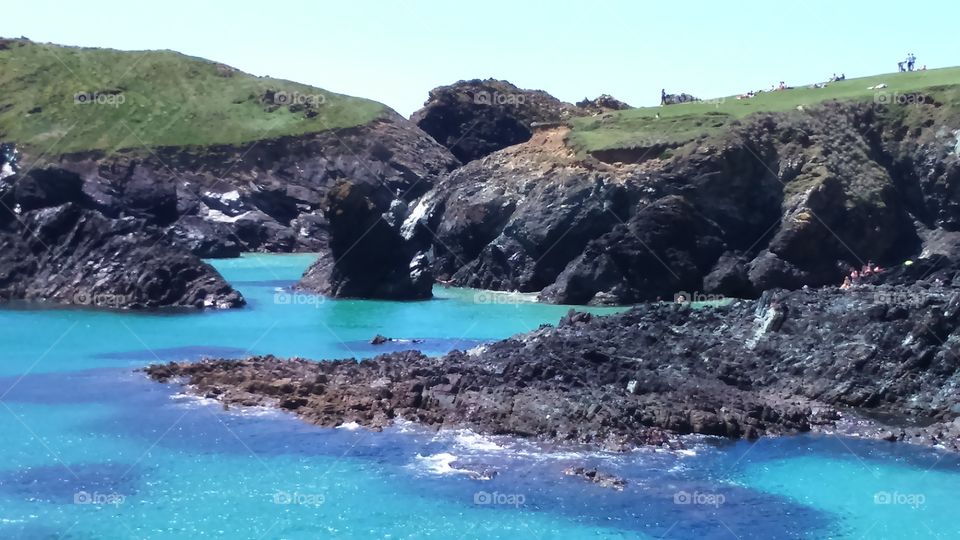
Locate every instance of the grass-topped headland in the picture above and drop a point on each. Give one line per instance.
(674, 125)
(67, 99)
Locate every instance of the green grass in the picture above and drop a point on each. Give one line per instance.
(168, 99)
(678, 124)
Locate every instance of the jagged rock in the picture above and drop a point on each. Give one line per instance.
(475, 118)
(801, 198)
(368, 256)
(786, 363)
(602, 103)
(602, 479)
(729, 277)
(667, 247)
(258, 196)
(56, 246)
(70, 255)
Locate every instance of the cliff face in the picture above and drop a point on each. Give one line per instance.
(368, 255)
(212, 160)
(778, 200)
(476, 118)
(55, 247)
(264, 196)
(212, 202)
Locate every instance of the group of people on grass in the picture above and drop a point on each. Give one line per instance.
(908, 64)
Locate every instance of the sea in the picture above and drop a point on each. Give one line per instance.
(92, 449)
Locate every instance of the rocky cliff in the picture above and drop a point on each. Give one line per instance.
(55, 247)
(240, 163)
(777, 200)
(478, 117)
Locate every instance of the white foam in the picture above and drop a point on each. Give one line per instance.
(349, 426)
(6, 171)
(475, 441)
(440, 464)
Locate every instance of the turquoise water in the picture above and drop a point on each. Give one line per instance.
(90, 449)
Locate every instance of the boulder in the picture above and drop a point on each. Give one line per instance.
(368, 256)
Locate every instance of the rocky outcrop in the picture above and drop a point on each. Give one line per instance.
(777, 201)
(602, 103)
(367, 254)
(55, 247)
(789, 362)
(478, 117)
(267, 195)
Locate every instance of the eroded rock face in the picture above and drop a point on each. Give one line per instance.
(70, 255)
(478, 117)
(789, 362)
(264, 196)
(367, 254)
(56, 247)
(666, 248)
(779, 201)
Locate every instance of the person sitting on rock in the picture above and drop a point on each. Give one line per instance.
(846, 283)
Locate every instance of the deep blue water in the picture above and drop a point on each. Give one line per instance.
(91, 449)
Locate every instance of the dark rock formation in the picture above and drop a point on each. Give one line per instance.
(368, 255)
(777, 201)
(602, 104)
(263, 196)
(789, 362)
(478, 117)
(666, 248)
(54, 246)
(597, 477)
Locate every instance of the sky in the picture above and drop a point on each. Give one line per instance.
(395, 51)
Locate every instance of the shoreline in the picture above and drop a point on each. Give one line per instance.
(791, 362)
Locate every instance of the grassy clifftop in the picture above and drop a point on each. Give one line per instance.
(676, 124)
(56, 99)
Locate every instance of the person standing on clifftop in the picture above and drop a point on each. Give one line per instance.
(911, 60)
(663, 96)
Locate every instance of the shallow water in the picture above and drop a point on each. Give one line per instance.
(93, 450)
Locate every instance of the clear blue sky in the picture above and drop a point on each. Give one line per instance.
(396, 51)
